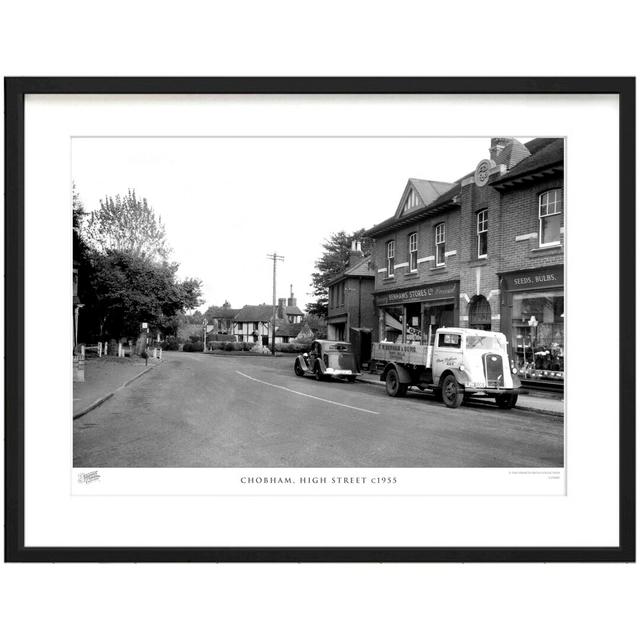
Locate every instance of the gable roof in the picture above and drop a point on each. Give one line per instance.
(290, 330)
(293, 311)
(513, 153)
(448, 199)
(545, 153)
(254, 313)
(361, 269)
(223, 312)
(426, 190)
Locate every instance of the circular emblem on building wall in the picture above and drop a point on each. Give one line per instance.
(481, 176)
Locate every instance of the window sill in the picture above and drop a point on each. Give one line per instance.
(411, 276)
(389, 279)
(554, 247)
(441, 267)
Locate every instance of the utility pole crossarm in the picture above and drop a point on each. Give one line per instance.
(276, 258)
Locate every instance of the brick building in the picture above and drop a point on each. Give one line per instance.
(485, 251)
(351, 297)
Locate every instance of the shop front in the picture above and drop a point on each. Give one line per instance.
(337, 327)
(413, 314)
(532, 317)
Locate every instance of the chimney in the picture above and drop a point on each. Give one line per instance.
(497, 146)
(355, 255)
(282, 310)
(291, 302)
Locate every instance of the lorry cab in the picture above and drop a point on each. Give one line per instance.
(481, 355)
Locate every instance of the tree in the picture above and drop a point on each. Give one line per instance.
(332, 262)
(123, 290)
(126, 224)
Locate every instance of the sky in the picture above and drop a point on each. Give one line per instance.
(228, 202)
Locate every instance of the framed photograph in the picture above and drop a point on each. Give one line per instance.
(320, 319)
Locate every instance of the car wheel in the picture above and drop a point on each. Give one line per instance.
(318, 373)
(507, 401)
(395, 388)
(298, 369)
(351, 378)
(452, 394)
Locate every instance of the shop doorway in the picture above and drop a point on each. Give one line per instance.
(436, 317)
(480, 313)
(414, 327)
(336, 331)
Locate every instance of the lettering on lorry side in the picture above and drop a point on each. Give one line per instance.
(392, 346)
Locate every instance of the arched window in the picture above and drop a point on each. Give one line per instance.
(480, 313)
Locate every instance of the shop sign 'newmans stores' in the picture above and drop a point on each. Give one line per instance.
(419, 294)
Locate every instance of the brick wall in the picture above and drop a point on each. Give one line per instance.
(427, 270)
(520, 218)
(513, 245)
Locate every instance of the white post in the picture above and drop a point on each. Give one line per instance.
(160, 356)
(155, 353)
(99, 349)
(82, 350)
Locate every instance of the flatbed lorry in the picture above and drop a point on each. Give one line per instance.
(460, 362)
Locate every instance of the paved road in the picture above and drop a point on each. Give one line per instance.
(199, 410)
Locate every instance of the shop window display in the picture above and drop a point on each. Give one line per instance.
(538, 334)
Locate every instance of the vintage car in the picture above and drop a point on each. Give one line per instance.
(328, 358)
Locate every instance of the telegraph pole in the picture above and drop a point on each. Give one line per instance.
(275, 257)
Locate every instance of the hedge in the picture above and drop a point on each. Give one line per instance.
(192, 346)
(221, 337)
(170, 344)
(281, 347)
(292, 347)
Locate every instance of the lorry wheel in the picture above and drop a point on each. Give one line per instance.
(395, 388)
(298, 369)
(452, 394)
(507, 401)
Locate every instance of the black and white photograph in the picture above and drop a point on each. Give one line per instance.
(356, 319)
(318, 302)
(320, 320)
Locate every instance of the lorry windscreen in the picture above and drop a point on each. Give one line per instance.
(483, 342)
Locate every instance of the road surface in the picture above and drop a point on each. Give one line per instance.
(202, 410)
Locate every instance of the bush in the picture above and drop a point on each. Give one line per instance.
(193, 346)
(221, 337)
(170, 344)
(195, 337)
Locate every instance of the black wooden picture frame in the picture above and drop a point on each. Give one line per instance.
(15, 91)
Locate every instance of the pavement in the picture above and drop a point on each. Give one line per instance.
(103, 377)
(539, 402)
(202, 411)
